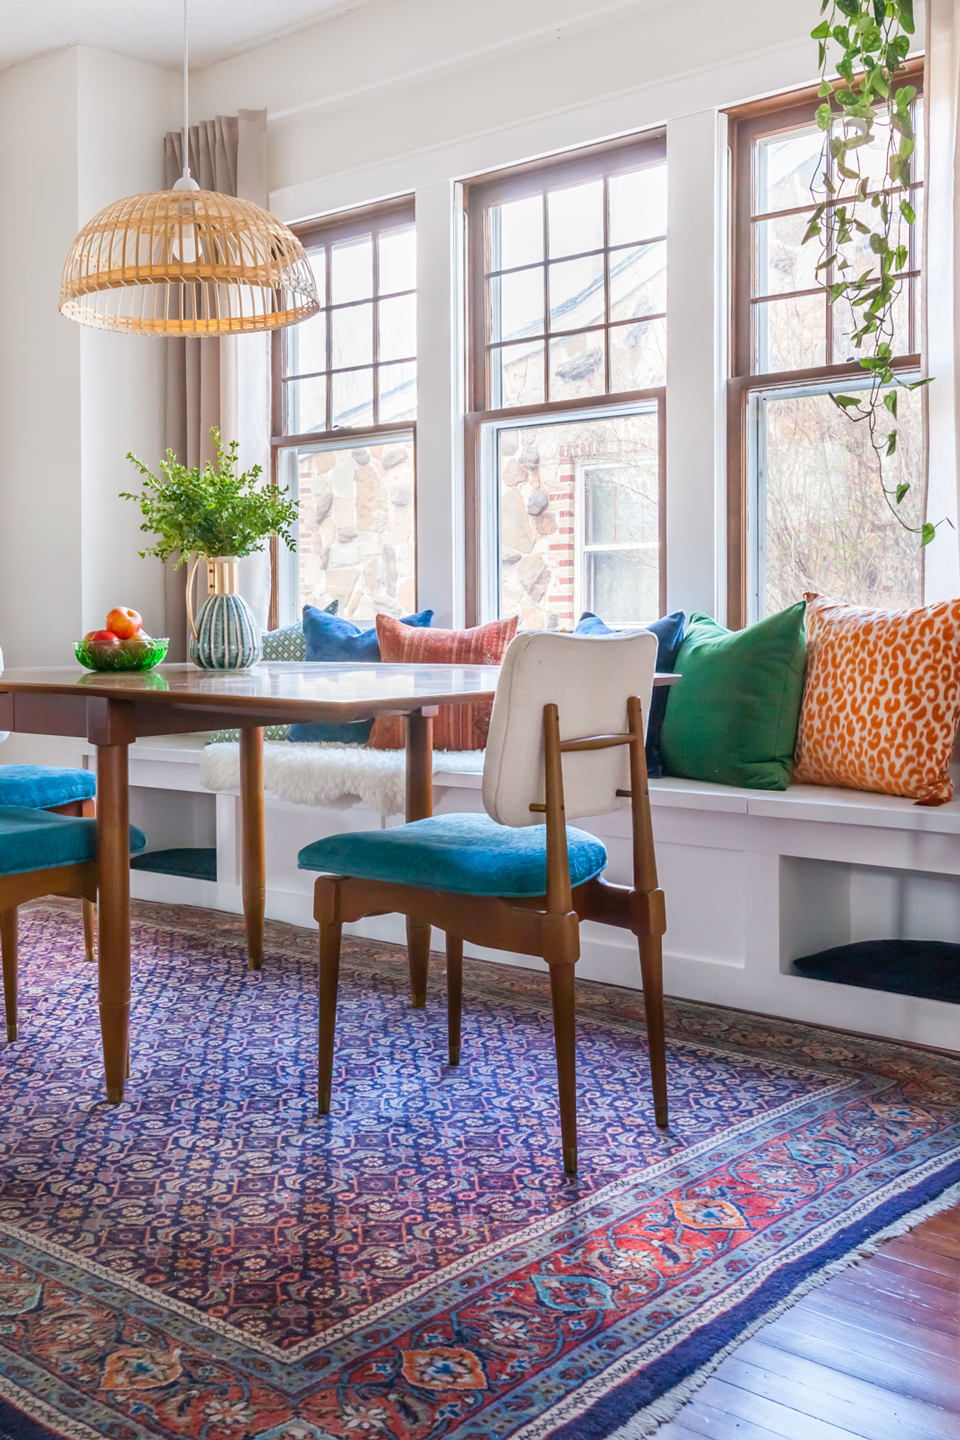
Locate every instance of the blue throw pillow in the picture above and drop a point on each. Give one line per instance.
(669, 632)
(334, 640)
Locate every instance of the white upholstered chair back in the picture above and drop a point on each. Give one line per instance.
(589, 679)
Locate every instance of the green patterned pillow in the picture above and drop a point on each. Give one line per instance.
(290, 643)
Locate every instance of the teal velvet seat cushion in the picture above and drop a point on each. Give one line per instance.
(37, 787)
(36, 840)
(466, 854)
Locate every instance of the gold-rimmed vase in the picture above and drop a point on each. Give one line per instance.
(224, 635)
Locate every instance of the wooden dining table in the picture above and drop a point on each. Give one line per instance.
(111, 711)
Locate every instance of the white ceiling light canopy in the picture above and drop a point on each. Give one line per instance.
(187, 261)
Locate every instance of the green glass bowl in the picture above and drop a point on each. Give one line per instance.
(128, 655)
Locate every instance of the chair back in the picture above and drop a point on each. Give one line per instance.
(589, 679)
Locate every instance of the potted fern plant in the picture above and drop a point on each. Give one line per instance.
(218, 515)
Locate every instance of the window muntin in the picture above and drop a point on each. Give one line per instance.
(574, 286)
(354, 365)
(792, 327)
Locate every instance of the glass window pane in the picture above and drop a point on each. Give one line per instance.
(398, 392)
(357, 529)
(785, 170)
(352, 398)
(638, 356)
(789, 334)
(638, 204)
(577, 365)
(398, 260)
(516, 304)
(305, 346)
(352, 336)
(352, 269)
(516, 233)
(516, 375)
(619, 506)
(781, 261)
(318, 264)
(575, 219)
(638, 282)
(828, 527)
(398, 328)
(845, 320)
(542, 473)
(576, 293)
(305, 405)
(622, 585)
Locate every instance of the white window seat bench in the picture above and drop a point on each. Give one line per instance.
(753, 880)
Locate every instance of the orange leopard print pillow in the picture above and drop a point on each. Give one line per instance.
(882, 699)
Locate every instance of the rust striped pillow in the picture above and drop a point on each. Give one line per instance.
(882, 699)
(457, 727)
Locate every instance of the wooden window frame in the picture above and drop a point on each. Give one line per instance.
(372, 219)
(479, 194)
(747, 124)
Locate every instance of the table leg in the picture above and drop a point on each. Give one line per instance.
(253, 854)
(419, 806)
(113, 914)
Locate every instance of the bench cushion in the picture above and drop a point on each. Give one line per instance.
(36, 840)
(37, 787)
(465, 854)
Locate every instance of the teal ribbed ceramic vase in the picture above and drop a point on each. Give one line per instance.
(225, 635)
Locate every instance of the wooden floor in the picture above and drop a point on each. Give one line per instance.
(873, 1353)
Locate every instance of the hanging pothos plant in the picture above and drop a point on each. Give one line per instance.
(864, 223)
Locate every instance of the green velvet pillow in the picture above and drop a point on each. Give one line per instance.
(733, 717)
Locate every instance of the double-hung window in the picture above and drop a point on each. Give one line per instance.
(567, 352)
(344, 421)
(805, 508)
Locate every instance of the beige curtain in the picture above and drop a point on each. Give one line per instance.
(941, 339)
(204, 378)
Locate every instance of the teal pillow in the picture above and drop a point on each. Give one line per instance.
(733, 717)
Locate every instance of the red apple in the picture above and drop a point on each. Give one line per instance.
(102, 637)
(89, 635)
(124, 623)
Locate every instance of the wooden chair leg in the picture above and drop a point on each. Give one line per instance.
(418, 957)
(8, 944)
(565, 1040)
(89, 928)
(329, 978)
(454, 996)
(651, 970)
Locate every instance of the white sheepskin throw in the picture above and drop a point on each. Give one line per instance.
(318, 774)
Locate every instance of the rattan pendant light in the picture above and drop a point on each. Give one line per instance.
(187, 261)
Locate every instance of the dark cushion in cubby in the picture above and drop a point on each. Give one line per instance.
(928, 969)
(190, 863)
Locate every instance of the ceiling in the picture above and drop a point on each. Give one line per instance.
(153, 29)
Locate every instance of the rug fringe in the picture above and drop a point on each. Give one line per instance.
(648, 1420)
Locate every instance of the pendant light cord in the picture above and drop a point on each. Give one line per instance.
(186, 95)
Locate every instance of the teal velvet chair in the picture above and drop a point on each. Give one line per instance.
(566, 739)
(65, 792)
(42, 853)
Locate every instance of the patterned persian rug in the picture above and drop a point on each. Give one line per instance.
(212, 1261)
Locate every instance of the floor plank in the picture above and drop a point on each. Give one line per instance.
(874, 1354)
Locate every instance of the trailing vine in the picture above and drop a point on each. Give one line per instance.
(874, 40)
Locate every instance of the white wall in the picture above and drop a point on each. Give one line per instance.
(82, 128)
(415, 95)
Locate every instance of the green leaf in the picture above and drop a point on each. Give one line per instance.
(825, 90)
(821, 31)
(892, 443)
(824, 117)
(902, 489)
(905, 15)
(928, 533)
(890, 400)
(844, 401)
